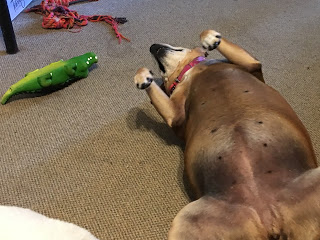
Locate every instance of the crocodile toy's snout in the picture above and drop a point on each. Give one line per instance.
(91, 59)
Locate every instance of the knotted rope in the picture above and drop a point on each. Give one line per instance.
(56, 14)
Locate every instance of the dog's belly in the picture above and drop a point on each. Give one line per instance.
(243, 140)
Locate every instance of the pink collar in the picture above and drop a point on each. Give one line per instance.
(184, 70)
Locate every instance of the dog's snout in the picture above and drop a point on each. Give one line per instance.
(159, 51)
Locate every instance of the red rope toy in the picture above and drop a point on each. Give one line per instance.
(56, 14)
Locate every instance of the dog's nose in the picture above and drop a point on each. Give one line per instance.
(158, 50)
(155, 47)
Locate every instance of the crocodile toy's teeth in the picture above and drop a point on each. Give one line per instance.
(6, 96)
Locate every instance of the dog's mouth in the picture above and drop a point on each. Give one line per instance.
(159, 52)
(162, 68)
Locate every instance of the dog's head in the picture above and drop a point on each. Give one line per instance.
(171, 60)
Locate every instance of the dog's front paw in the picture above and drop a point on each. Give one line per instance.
(210, 39)
(143, 78)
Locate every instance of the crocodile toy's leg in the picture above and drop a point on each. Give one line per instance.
(82, 70)
(45, 80)
(70, 69)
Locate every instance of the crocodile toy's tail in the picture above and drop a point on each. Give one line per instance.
(7, 95)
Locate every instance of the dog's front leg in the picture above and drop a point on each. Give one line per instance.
(168, 108)
(211, 39)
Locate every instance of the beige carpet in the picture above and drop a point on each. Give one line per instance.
(96, 153)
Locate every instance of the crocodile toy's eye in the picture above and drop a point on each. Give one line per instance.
(87, 62)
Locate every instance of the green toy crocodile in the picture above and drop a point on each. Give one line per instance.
(54, 74)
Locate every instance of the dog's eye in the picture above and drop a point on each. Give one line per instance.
(178, 50)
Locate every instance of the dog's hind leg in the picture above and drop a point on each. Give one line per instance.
(171, 109)
(211, 219)
(211, 39)
(299, 206)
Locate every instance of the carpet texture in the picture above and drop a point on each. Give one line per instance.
(96, 153)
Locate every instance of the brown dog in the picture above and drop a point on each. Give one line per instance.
(248, 157)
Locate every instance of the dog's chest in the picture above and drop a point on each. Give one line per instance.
(221, 96)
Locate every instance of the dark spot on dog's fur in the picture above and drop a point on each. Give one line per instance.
(220, 157)
(213, 89)
(274, 237)
(193, 218)
(239, 130)
(246, 91)
(283, 235)
(234, 182)
(214, 130)
(266, 145)
(270, 171)
(260, 122)
(203, 103)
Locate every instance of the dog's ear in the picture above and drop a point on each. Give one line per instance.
(204, 51)
(160, 83)
(163, 88)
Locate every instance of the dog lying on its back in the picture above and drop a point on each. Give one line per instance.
(248, 157)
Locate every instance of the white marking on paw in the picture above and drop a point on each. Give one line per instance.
(210, 39)
(142, 78)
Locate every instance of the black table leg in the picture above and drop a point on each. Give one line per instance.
(7, 29)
